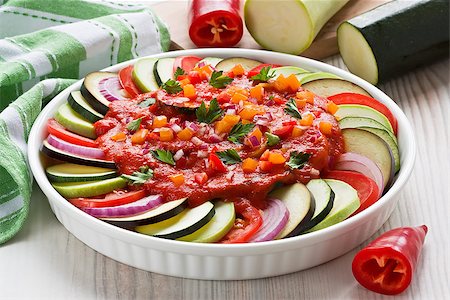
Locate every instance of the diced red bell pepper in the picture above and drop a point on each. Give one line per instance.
(257, 69)
(283, 131)
(215, 164)
(387, 264)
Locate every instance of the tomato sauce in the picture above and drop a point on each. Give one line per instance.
(195, 156)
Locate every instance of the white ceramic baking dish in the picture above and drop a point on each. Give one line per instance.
(217, 261)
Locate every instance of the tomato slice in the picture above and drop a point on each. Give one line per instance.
(247, 223)
(109, 200)
(187, 63)
(284, 131)
(126, 80)
(53, 127)
(352, 98)
(257, 69)
(366, 187)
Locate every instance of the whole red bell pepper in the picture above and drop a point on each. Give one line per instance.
(215, 23)
(387, 264)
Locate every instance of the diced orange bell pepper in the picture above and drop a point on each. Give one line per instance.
(293, 82)
(265, 155)
(185, 134)
(177, 179)
(119, 137)
(166, 135)
(296, 131)
(276, 158)
(238, 97)
(300, 102)
(139, 136)
(332, 107)
(248, 112)
(249, 165)
(184, 82)
(325, 127)
(281, 83)
(257, 92)
(238, 70)
(307, 95)
(257, 133)
(159, 121)
(189, 91)
(225, 125)
(307, 120)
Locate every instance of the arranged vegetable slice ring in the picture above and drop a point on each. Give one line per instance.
(75, 149)
(275, 218)
(126, 81)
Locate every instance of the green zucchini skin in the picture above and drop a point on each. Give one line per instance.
(405, 34)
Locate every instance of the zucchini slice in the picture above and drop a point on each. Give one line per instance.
(323, 197)
(90, 188)
(144, 76)
(78, 173)
(228, 63)
(212, 61)
(81, 106)
(316, 76)
(100, 88)
(186, 222)
(74, 122)
(163, 70)
(395, 37)
(329, 87)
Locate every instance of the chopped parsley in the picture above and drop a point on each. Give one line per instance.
(134, 125)
(238, 131)
(178, 72)
(272, 139)
(209, 115)
(218, 80)
(263, 75)
(171, 86)
(164, 155)
(147, 102)
(298, 159)
(229, 157)
(139, 177)
(292, 109)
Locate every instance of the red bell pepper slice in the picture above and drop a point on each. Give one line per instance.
(109, 200)
(56, 129)
(257, 69)
(284, 131)
(366, 187)
(247, 223)
(126, 81)
(387, 264)
(353, 98)
(215, 23)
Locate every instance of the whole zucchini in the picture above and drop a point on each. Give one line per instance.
(395, 37)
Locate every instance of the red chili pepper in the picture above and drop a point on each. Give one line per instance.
(387, 264)
(215, 23)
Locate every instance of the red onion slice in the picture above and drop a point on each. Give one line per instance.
(254, 141)
(126, 210)
(110, 88)
(75, 149)
(275, 218)
(361, 164)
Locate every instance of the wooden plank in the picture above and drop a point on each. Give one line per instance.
(174, 13)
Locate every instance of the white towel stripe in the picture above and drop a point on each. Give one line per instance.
(9, 50)
(11, 206)
(15, 128)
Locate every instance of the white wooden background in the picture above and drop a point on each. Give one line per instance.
(44, 261)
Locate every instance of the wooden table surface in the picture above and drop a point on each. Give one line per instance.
(45, 261)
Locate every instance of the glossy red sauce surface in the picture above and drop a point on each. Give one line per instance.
(234, 182)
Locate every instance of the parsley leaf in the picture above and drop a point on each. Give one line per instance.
(179, 71)
(263, 75)
(147, 102)
(171, 86)
(298, 159)
(139, 177)
(291, 109)
(272, 139)
(164, 155)
(238, 131)
(134, 125)
(218, 80)
(229, 157)
(208, 115)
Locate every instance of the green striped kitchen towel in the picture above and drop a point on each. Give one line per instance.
(44, 46)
